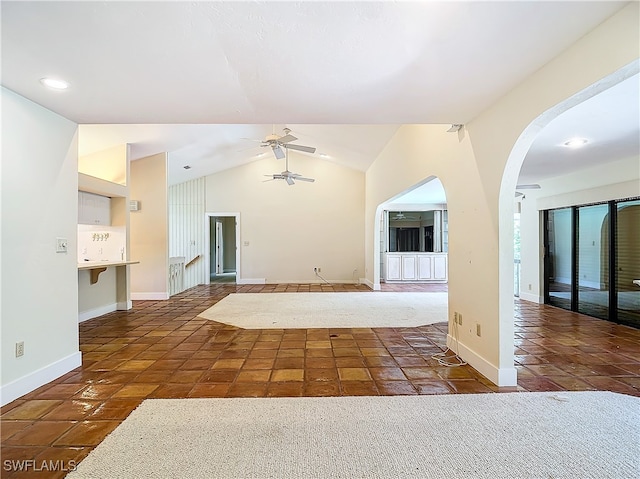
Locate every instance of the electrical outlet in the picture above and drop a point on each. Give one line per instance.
(478, 329)
(317, 270)
(455, 317)
(529, 286)
(460, 319)
(19, 349)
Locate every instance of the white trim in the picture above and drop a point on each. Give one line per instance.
(34, 380)
(95, 312)
(150, 296)
(251, 280)
(312, 281)
(207, 246)
(533, 298)
(124, 305)
(498, 376)
(370, 284)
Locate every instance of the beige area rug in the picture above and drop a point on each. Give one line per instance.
(494, 436)
(329, 310)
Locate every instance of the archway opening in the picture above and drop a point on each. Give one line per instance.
(411, 236)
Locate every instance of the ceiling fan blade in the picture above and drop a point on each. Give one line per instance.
(289, 180)
(302, 178)
(307, 149)
(277, 151)
(286, 138)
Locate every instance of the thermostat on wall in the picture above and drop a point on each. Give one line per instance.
(134, 205)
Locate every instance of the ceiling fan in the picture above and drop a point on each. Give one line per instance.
(287, 175)
(276, 143)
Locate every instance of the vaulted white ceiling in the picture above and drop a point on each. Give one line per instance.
(195, 78)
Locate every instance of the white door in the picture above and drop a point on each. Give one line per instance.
(219, 248)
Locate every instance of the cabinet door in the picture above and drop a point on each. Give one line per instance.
(394, 267)
(425, 267)
(81, 214)
(409, 267)
(93, 209)
(102, 210)
(440, 267)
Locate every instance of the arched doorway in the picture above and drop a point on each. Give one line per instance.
(413, 222)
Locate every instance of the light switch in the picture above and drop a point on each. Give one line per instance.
(61, 245)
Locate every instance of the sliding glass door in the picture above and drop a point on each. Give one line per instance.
(592, 260)
(627, 261)
(559, 257)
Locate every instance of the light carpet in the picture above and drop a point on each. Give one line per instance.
(329, 310)
(511, 435)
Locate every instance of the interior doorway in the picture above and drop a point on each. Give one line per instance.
(222, 248)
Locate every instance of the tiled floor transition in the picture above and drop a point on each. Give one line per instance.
(161, 349)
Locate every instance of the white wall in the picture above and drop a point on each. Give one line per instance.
(39, 286)
(620, 179)
(286, 231)
(149, 228)
(479, 174)
(187, 225)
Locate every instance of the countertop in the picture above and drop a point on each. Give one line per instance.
(104, 264)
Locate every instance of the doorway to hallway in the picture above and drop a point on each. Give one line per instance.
(222, 248)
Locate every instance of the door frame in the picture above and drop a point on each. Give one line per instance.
(207, 248)
(219, 247)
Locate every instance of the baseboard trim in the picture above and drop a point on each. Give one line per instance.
(498, 376)
(370, 284)
(251, 280)
(124, 305)
(40, 377)
(533, 298)
(95, 312)
(149, 296)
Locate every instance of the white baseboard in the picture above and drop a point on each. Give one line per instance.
(124, 305)
(149, 296)
(533, 298)
(44, 375)
(95, 312)
(251, 281)
(498, 376)
(370, 284)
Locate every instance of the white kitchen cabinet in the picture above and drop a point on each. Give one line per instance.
(94, 209)
(394, 267)
(419, 267)
(425, 267)
(409, 267)
(440, 267)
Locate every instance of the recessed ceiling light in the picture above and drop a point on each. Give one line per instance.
(54, 83)
(575, 142)
(324, 155)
